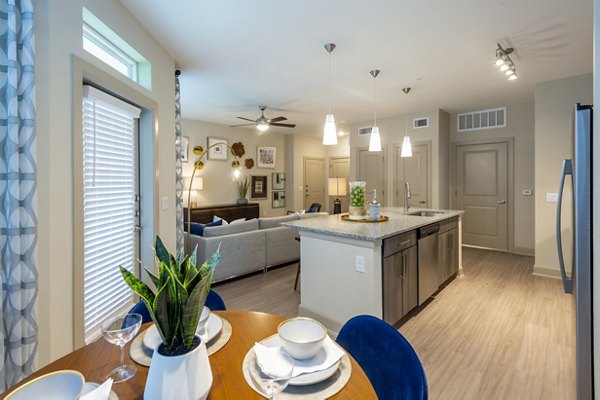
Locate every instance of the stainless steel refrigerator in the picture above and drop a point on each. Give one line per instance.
(579, 283)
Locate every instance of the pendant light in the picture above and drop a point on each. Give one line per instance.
(406, 150)
(375, 141)
(329, 131)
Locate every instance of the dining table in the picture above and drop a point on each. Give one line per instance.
(98, 358)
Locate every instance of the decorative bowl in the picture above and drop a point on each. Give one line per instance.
(58, 385)
(301, 338)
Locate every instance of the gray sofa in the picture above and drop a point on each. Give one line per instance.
(251, 245)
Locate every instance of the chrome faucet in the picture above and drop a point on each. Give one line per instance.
(406, 197)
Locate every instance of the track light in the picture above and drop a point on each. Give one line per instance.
(505, 63)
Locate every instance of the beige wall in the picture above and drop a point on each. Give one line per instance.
(58, 32)
(218, 188)
(392, 131)
(519, 128)
(554, 105)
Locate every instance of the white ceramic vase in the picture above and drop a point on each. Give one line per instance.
(187, 376)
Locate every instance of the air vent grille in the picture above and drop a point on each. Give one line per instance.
(484, 119)
(365, 131)
(421, 122)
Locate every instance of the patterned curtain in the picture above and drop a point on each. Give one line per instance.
(18, 170)
(178, 167)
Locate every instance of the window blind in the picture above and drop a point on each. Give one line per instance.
(109, 190)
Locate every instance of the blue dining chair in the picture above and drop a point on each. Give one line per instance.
(213, 301)
(387, 358)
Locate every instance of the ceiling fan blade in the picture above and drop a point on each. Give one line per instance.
(278, 119)
(284, 125)
(246, 119)
(235, 126)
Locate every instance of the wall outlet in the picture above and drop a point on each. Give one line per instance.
(551, 197)
(164, 202)
(360, 264)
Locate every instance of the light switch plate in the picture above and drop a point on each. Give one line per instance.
(360, 264)
(164, 202)
(527, 192)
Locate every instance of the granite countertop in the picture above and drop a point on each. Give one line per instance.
(398, 222)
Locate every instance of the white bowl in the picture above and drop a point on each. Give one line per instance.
(58, 385)
(301, 338)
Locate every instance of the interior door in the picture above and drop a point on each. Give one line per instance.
(482, 191)
(339, 167)
(371, 170)
(314, 182)
(415, 171)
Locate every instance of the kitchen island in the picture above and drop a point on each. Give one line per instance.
(349, 268)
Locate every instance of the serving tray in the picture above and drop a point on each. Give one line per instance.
(382, 218)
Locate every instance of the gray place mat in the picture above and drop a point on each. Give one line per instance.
(317, 391)
(143, 355)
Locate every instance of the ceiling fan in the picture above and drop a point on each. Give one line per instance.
(263, 123)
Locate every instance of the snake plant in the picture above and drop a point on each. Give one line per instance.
(182, 288)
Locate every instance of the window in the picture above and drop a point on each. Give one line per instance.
(110, 204)
(103, 43)
(96, 44)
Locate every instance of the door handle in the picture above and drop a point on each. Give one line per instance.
(567, 169)
(501, 202)
(403, 265)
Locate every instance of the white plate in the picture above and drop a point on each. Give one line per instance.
(89, 386)
(213, 327)
(306, 379)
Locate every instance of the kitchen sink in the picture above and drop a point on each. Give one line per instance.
(426, 213)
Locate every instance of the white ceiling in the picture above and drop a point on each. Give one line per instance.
(236, 55)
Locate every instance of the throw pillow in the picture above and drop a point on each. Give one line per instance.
(217, 218)
(198, 228)
(237, 221)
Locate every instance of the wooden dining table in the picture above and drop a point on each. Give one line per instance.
(97, 359)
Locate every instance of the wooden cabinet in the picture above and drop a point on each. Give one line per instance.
(400, 282)
(447, 250)
(228, 212)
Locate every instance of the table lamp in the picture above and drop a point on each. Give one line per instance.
(337, 187)
(197, 184)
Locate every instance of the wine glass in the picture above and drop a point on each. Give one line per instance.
(272, 382)
(119, 331)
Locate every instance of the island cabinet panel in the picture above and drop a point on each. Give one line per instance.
(400, 283)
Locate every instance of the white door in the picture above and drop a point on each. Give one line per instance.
(415, 171)
(482, 191)
(371, 169)
(314, 182)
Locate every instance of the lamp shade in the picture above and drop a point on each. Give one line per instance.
(375, 141)
(337, 187)
(406, 147)
(329, 131)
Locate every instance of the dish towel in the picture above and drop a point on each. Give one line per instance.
(270, 361)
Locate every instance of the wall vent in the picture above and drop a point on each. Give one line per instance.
(420, 122)
(484, 119)
(364, 131)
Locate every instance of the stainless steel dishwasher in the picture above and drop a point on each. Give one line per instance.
(428, 261)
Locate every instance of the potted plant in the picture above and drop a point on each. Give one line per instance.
(243, 186)
(179, 367)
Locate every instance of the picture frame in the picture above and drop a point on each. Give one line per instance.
(278, 180)
(278, 199)
(258, 189)
(266, 156)
(217, 152)
(185, 145)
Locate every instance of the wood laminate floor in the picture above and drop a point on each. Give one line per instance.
(498, 332)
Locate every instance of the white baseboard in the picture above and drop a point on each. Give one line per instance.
(546, 272)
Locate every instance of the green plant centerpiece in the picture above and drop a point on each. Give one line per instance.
(181, 290)
(243, 186)
(357, 210)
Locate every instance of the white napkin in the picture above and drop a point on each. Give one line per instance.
(270, 361)
(102, 392)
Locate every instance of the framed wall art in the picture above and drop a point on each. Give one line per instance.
(259, 187)
(278, 200)
(266, 156)
(278, 180)
(219, 152)
(185, 144)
